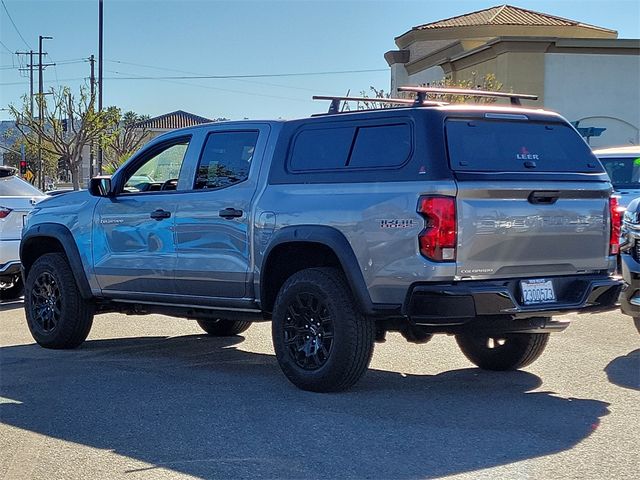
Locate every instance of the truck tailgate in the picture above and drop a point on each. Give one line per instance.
(527, 229)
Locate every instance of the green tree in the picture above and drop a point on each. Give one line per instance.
(84, 125)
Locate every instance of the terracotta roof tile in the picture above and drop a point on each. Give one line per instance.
(504, 15)
(173, 120)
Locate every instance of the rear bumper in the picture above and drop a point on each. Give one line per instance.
(459, 303)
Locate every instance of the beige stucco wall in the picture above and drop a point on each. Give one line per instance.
(599, 90)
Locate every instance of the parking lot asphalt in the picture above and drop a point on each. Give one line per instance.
(153, 397)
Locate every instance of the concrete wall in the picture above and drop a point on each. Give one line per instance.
(430, 75)
(599, 90)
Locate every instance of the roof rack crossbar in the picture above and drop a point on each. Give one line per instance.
(422, 92)
(335, 101)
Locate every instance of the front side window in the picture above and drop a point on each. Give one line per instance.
(226, 159)
(160, 171)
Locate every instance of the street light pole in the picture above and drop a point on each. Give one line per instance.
(100, 32)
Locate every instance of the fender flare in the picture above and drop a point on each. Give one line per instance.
(338, 243)
(63, 235)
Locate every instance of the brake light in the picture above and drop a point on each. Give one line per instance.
(4, 211)
(438, 239)
(615, 212)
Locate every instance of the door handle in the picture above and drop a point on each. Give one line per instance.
(229, 213)
(160, 214)
(543, 198)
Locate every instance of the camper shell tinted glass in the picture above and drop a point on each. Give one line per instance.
(482, 145)
(352, 146)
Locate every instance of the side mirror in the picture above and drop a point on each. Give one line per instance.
(100, 186)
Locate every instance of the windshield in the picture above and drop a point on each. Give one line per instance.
(16, 187)
(624, 172)
(516, 146)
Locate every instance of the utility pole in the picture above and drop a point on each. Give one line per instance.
(40, 109)
(92, 82)
(31, 65)
(100, 32)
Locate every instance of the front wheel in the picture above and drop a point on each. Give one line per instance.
(509, 351)
(57, 315)
(322, 342)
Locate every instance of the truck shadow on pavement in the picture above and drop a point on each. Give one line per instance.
(200, 406)
(624, 371)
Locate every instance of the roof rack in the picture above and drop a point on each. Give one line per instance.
(335, 101)
(422, 92)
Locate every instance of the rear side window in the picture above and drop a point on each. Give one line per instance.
(321, 149)
(226, 159)
(513, 146)
(624, 172)
(16, 187)
(351, 147)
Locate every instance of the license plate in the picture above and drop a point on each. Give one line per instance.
(537, 291)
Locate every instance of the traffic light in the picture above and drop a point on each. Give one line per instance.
(23, 167)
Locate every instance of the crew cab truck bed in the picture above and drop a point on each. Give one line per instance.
(484, 222)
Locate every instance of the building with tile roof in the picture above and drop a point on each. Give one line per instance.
(583, 71)
(173, 121)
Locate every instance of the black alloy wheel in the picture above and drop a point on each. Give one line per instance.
(46, 301)
(322, 341)
(308, 331)
(57, 314)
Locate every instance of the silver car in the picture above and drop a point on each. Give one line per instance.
(17, 198)
(623, 166)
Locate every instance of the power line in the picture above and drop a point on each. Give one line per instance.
(289, 87)
(6, 48)
(262, 75)
(14, 25)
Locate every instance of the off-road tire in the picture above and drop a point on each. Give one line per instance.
(347, 333)
(15, 291)
(74, 313)
(517, 351)
(223, 328)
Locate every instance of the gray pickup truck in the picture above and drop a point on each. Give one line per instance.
(479, 221)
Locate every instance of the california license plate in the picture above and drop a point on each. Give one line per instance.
(537, 291)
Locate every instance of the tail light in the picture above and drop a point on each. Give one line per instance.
(4, 211)
(438, 239)
(615, 212)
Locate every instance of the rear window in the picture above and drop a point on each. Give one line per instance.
(513, 146)
(351, 147)
(624, 172)
(16, 187)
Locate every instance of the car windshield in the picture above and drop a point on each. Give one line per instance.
(623, 171)
(16, 187)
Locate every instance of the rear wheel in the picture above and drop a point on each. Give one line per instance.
(57, 315)
(322, 342)
(223, 328)
(11, 290)
(503, 352)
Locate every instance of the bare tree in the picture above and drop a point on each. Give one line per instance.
(68, 125)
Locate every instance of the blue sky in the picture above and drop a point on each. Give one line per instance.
(239, 37)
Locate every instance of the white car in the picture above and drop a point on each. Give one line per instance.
(17, 198)
(623, 166)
